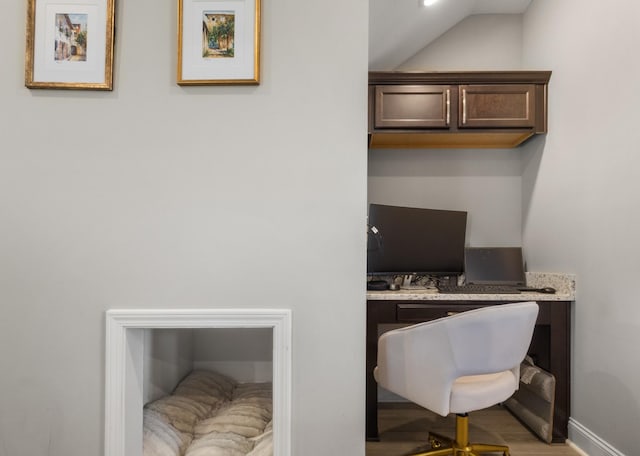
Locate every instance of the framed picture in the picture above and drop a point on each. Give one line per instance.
(218, 42)
(70, 44)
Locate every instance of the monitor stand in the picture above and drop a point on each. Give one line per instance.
(407, 285)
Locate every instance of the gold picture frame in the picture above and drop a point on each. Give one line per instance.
(70, 44)
(218, 42)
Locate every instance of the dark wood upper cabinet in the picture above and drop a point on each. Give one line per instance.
(497, 106)
(456, 109)
(412, 106)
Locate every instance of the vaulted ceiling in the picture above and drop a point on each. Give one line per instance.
(400, 28)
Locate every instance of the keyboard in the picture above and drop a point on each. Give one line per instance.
(477, 289)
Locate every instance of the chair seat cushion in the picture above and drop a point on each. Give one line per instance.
(475, 392)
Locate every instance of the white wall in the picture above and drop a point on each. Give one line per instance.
(580, 203)
(168, 197)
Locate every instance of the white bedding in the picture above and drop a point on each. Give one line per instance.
(209, 414)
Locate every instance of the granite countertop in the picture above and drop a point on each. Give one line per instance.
(565, 285)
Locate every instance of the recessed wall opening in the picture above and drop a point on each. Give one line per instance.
(243, 354)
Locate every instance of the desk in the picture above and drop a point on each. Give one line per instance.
(550, 346)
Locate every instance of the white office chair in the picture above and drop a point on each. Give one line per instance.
(458, 364)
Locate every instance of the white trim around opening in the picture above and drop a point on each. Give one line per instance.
(124, 367)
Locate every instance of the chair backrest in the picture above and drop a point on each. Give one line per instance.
(491, 339)
(422, 361)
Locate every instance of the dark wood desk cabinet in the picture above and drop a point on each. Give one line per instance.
(550, 347)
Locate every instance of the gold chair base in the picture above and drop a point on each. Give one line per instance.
(443, 446)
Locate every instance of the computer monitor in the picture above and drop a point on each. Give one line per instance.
(407, 240)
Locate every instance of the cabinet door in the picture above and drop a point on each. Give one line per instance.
(412, 106)
(497, 106)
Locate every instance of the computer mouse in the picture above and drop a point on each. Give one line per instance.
(547, 290)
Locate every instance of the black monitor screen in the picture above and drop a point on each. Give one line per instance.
(494, 265)
(405, 240)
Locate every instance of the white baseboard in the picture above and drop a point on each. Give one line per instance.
(575, 448)
(588, 443)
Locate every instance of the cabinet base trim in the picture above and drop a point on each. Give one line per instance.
(437, 140)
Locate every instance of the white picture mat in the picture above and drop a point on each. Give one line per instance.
(241, 66)
(45, 67)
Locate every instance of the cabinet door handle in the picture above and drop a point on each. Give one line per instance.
(448, 106)
(464, 106)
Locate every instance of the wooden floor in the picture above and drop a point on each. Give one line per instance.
(404, 427)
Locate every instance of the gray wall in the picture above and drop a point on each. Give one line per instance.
(485, 183)
(244, 354)
(168, 357)
(157, 196)
(478, 42)
(580, 206)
